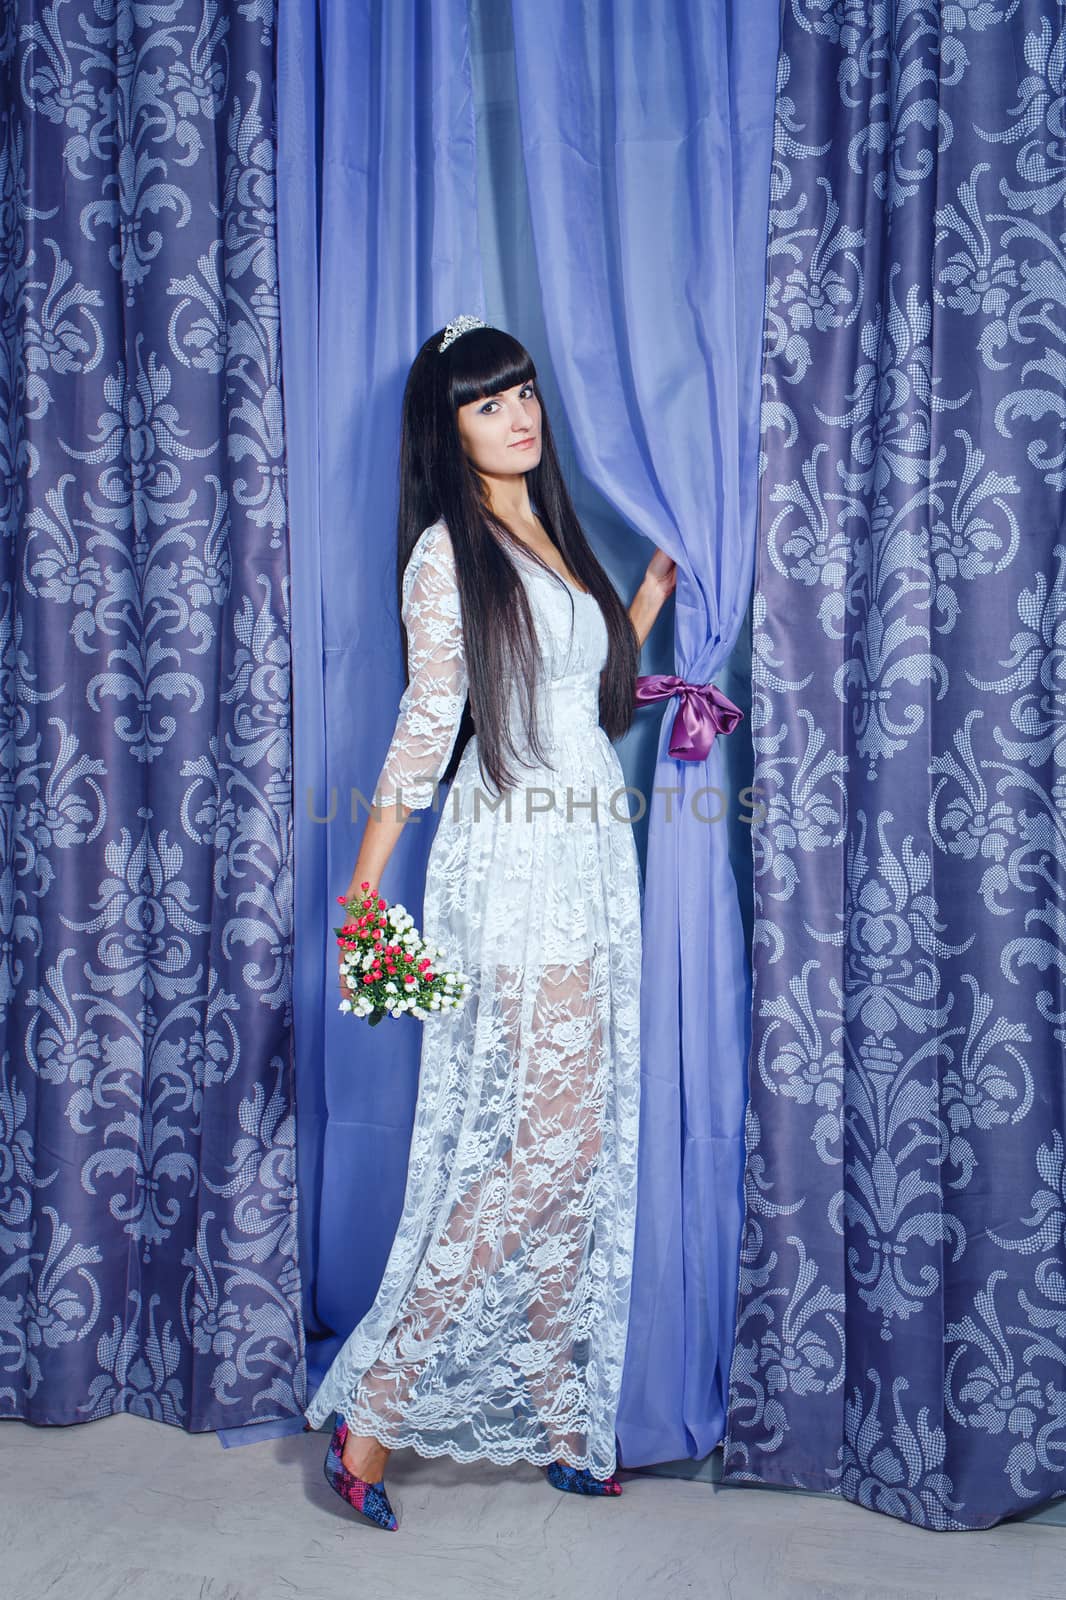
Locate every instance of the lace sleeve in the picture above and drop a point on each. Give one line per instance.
(431, 706)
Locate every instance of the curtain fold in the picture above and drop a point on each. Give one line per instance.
(901, 1334)
(148, 1258)
(647, 140)
(379, 246)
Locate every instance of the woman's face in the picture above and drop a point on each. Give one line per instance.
(501, 433)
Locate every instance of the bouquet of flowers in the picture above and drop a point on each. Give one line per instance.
(389, 966)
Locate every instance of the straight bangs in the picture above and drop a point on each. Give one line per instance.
(484, 362)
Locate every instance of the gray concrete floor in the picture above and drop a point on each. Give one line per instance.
(127, 1509)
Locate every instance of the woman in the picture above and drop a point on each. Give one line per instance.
(499, 1326)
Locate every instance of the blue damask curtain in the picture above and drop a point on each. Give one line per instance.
(647, 137)
(902, 1325)
(379, 246)
(147, 1203)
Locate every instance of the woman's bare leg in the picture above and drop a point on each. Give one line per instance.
(434, 1298)
(564, 1098)
(564, 1106)
(364, 1456)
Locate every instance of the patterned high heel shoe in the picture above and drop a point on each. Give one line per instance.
(571, 1480)
(368, 1498)
(579, 1480)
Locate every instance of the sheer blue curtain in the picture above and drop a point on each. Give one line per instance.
(902, 1331)
(148, 1255)
(647, 139)
(379, 246)
(513, 301)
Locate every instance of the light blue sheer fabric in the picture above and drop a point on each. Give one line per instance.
(379, 246)
(648, 153)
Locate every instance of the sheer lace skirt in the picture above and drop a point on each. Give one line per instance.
(499, 1326)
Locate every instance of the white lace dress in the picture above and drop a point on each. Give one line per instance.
(499, 1327)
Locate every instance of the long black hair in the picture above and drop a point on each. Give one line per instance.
(439, 481)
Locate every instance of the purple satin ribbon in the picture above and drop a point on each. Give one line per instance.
(704, 712)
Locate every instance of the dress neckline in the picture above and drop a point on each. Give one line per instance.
(555, 573)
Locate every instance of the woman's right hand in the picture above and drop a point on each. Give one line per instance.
(347, 992)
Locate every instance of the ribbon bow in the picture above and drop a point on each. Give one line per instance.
(704, 712)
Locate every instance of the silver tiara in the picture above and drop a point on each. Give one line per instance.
(460, 326)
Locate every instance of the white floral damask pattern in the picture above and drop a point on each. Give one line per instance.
(902, 1325)
(147, 1184)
